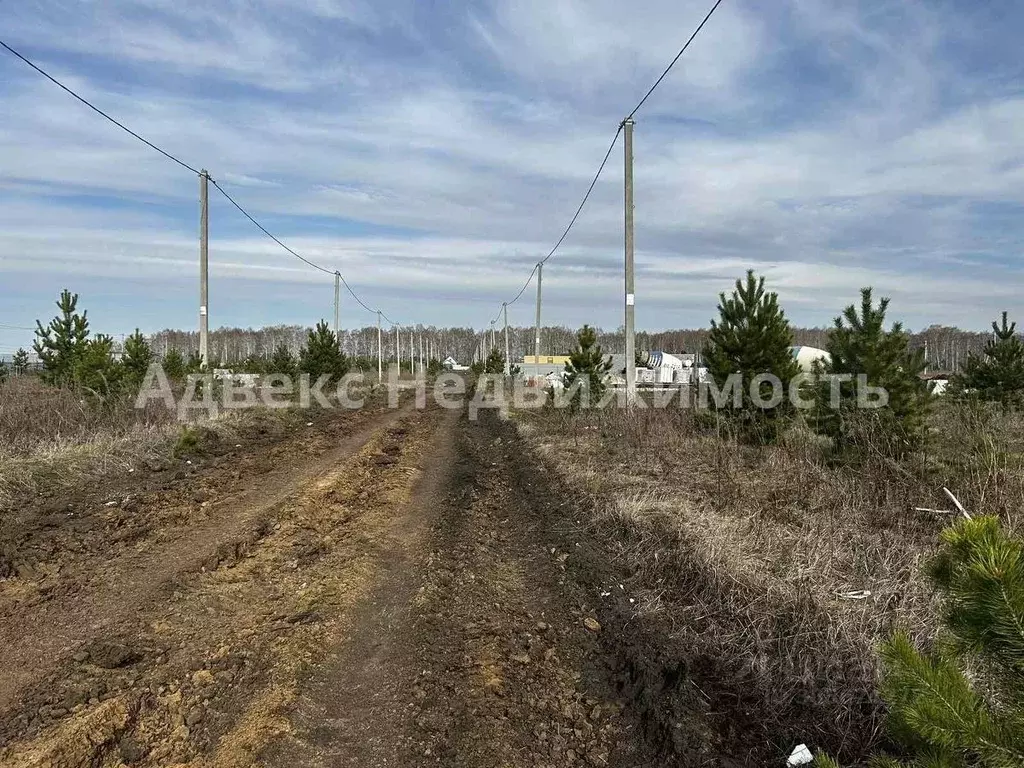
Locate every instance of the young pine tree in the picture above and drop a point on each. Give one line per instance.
(859, 345)
(322, 355)
(62, 342)
(998, 375)
(135, 361)
(95, 370)
(174, 365)
(19, 363)
(752, 337)
(282, 362)
(495, 362)
(587, 365)
(961, 705)
(3, 372)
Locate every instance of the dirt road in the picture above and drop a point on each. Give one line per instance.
(386, 588)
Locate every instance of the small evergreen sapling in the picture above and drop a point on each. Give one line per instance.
(174, 365)
(495, 362)
(961, 705)
(998, 375)
(60, 344)
(752, 337)
(283, 362)
(135, 361)
(859, 345)
(322, 355)
(95, 370)
(587, 368)
(19, 363)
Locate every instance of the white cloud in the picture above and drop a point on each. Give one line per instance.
(820, 142)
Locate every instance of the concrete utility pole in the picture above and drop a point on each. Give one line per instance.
(508, 360)
(536, 338)
(337, 300)
(380, 352)
(398, 352)
(204, 267)
(630, 295)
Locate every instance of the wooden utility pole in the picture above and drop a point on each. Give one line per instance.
(337, 300)
(630, 295)
(204, 268)
(508, 360)
(536, 338)
(380, 352)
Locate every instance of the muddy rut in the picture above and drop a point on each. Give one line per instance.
(397, 596)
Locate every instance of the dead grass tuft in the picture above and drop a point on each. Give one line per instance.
(772, 573)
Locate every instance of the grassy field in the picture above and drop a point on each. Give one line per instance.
(770, 573)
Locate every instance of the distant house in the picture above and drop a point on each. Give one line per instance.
(451, 364)
(937, 381)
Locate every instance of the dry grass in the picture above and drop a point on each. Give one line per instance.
(749, 561)
(54, 438)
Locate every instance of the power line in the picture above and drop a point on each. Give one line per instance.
(611, 146)
(293, 252)
(678, 56)
(169, 156)
(6, 327)
(97, 110)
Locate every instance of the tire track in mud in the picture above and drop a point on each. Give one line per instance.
(38, 634)
(473, 650)
(201, 672)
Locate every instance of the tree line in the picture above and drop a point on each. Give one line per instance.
(947, 348)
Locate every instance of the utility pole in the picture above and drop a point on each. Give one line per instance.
(204, 267)
(398, 351)
(337, 300)
(412, 353)
(423, 370)
(630, 295)
(536, 338)
(508, 360)
(380, 352)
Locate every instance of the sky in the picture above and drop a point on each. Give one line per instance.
(434, 152)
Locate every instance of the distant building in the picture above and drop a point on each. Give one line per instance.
(451, 364)
(806, 357)
(937, 381)
(546, 360)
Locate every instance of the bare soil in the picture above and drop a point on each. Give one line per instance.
(384, 588)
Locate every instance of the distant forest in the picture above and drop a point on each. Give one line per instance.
(947, 348)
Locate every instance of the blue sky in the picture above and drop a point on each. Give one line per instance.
(434, 151)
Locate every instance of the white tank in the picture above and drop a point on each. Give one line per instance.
(806, 356)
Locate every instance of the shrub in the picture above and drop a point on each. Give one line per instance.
(751, 337)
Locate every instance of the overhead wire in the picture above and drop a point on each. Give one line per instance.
(607, 154)
(97, 110)
(180, 162)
